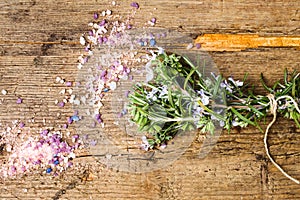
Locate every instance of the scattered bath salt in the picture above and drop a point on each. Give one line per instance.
(68, 83)
(21, 125)
(135, 5)
(57, 79)
(198, 45)
(189, 46)
(63, 91)
(108, 12)
(61, 104)
(4, 92)
(82, 40)
(19, 101)
(70, 91)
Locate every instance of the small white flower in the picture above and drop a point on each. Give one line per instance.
(235, 123)
(145, 146)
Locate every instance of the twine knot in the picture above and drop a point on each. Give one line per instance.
(273, 109)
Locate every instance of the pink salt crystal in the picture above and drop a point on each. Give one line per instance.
(69, 83)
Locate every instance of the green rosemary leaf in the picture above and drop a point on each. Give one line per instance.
(264, 84)
(217, 86)
(242, 117)
(188, 78)
(170, 98)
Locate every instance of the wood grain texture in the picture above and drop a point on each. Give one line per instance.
(39, 41)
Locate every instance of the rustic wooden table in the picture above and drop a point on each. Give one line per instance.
(39, 41)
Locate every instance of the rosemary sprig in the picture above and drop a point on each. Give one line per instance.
(179, 99)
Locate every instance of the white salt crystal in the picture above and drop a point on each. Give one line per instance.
(82, 40)
(4, 92)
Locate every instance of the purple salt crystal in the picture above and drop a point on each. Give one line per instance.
(21, 125)
(105, 39)
(85, 59)
(99, 121)
(93, 142)
(70, 164)
(153, 20)
(75, 112)
(65, 126)
(19, 101)
(44, 132)
(100, 40)
(75, 136)
(61, 104)
(102, 23)
(96, 15)
(116, 79)
(135, 5)
(103, 73)
(69, 120)
(91, 33)
(198, 45)
(118, 35)
(129, 26)
(127, 93)
(120, 115)
(130, 77)
(97, 116)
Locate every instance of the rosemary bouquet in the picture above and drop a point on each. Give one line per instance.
(179, 98)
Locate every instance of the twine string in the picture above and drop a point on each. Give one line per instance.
(273, 110)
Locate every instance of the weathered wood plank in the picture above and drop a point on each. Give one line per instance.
(236, 168)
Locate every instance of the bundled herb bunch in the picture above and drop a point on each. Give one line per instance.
(180, 98)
